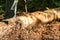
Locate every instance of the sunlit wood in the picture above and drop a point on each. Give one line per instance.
(32, 18)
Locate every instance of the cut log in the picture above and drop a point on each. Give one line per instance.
(45, 17)
(24, 21)
(32, 18)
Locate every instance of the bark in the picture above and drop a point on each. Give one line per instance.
(43, 17)
(24, 21)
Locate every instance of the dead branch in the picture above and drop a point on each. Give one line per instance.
(32, 18)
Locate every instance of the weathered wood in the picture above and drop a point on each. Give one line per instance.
(32, 18)
(24, 21)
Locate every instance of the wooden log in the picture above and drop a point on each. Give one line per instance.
(24, 21)
(45, 17)
(55, 11)
(30, 19)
